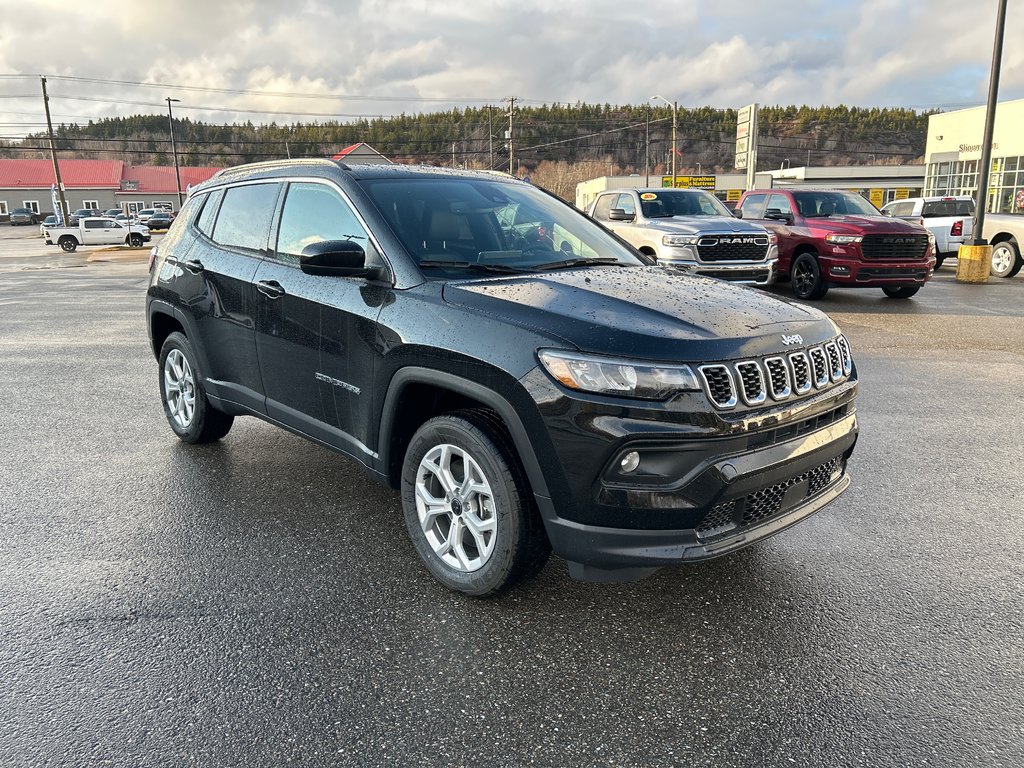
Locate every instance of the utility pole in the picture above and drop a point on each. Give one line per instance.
(287, 151)
(490, 137)
(675, 127)
(985, 164)
(453, 154)
(174, 148)
(647, 148)
(62, 213)
(508, 135)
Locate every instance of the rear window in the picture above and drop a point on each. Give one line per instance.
(245, 215)
(937, 208)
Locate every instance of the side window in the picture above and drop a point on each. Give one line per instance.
(604, 204)
(209, 213)
(626, 203)
(245, 216)
(95, 224)
(313, 213)
(753, 206)
(779, 203)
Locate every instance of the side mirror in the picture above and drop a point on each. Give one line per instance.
(775, 214)
(737, 212)
(617, 214)
(336, 258)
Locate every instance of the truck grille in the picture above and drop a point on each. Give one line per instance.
(732, 248)
(778, 377)
(894, 246)
(766, 503)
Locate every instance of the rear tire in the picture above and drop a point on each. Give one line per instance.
(900, 291)
(188, 411)
(1006, 259)
(806, 279)
(938, 262)
(468, 507)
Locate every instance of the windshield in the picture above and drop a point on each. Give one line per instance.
(819, 204)
(465, 223)
(680, 202)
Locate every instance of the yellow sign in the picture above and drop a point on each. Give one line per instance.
(877, 197)
(902, 194)
(733, 195)
(689, 182)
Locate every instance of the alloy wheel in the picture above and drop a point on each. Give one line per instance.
(1002, 259)
(455, 506)
(179, 388)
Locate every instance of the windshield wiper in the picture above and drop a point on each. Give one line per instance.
(569, 263)
(472, 266)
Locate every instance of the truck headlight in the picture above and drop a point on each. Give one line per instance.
(843, 239)
(679, 240)
(773, 239)
(608, 376)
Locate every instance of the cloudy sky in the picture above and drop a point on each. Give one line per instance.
(371, 57)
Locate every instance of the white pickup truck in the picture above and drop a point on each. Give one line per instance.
(950, 219)
(1005, 231)
(97, 231)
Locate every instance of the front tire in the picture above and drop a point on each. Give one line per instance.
(68, 244)
(467, 505)
(188, 411)
(806, 278)
(1006, 259)
(938, 262)
(135, 240)
(900, 291)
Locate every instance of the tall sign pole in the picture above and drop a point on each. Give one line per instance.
(746, 142)
(62, 213)
(974, 261)
(508, 135)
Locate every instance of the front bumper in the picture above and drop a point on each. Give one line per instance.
(870, 273)
(748, 273)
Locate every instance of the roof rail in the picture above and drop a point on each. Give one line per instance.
(267, 164)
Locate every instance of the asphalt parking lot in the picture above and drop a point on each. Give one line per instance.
(257, 603)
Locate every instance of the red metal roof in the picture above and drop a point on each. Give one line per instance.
(365, 148)
(160, 178)
(74, 173)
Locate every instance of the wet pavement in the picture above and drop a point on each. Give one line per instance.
(257, 602)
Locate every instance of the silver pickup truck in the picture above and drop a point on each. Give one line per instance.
(692, 230)
(1005, 231)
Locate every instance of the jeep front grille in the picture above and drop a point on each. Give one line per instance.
(778, 377)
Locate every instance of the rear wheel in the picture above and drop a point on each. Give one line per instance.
(467, 506)
(68, 243)
(806, 277)
(1006, 259)
(938, 262)
(900, 291)
(188, 411)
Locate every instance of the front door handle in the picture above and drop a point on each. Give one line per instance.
(195, 266)
(270, 288)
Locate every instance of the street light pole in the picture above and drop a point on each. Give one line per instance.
(675, 128)
(174, 148)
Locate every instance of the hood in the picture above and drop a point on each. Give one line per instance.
(649, 313)
(692, 225)
(866, 225)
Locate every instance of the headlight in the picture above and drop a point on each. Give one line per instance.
(843, 239)
(931, 238)
(773, 239)
(679, 239)
(606, 376)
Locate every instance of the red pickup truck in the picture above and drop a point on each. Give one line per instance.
(833, 238)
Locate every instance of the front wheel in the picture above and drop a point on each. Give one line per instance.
(1006, 259)
(467, 505)
(135, 241)
(188, 411)
(900, 291)
(68, 244)
(806, 277)
(938, 262)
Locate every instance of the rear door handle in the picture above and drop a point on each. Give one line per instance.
(270, 288)
(195, 266)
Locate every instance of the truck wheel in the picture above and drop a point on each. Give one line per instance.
(135, 240)
(68, 243)
(188, 411)
(806, 277)
(900, 291)
(467, 506)
(938, 262)
(1006, 260)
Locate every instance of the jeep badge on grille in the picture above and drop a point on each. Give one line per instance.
(796, 338)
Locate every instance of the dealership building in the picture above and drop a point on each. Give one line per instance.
(953, 151)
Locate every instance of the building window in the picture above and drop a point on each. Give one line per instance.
(3, 207)
(92, 205)
(32, 205)
(162, 205)
(134, 206)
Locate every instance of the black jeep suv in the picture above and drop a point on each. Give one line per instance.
(526, 379)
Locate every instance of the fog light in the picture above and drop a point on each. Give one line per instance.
(840, 270)
(630, 461)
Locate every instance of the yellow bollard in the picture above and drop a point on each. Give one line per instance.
(973, 263)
